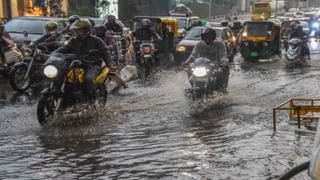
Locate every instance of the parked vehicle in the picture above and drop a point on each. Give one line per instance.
(33, 25)
(28, 71)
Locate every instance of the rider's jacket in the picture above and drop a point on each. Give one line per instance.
(115, 27)
(81, 48)
(216, 52)
(144, 34)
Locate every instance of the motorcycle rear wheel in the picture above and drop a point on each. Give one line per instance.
(16, 78)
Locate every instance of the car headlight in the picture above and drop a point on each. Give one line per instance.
(200, 71)
(50, 71)
(265, 43)
(315, 25)
(181, 49)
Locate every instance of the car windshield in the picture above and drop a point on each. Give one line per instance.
(31, 26)
(195, 34)
(257, 29)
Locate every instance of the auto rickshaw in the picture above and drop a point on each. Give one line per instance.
(165, 27)
(260, 40)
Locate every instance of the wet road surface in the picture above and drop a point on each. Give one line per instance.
(151, 135)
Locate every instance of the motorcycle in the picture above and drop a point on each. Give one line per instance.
(146, 54)
(295, 53)
(202, 77)
(66, 76)
(313, 166)
(13, 55)
(26, 72)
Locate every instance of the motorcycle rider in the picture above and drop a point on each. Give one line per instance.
(215, 50)
(5, 43)
(52, 38)
(71, 20)
(145, 33)
(80, 46)
(112, 25)
(297, 32)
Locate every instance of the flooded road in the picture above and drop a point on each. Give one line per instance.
(151, 135)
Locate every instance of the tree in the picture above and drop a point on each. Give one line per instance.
(100, 7)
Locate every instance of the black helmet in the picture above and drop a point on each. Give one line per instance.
(92, 22)
(100, 30)
(73, 18)
(210, 32)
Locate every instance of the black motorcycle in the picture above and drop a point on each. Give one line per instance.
(66, 76)
(203, 78)
(28, 71)
(145, 54)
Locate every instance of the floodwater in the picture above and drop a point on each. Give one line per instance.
(150, 133)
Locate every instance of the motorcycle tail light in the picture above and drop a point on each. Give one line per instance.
(146, 49)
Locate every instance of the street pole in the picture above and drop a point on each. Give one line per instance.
(210, 6)
(276, 8)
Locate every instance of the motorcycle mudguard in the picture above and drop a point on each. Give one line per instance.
(20, 64)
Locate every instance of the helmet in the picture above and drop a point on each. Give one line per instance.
(111, 18)
(145, 22)
(92, 22)
(100, 30)
(82, 27)
(73, 18)
(51, 27)
(209, 31)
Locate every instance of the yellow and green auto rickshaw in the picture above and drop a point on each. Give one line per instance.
(166, 27)
(260, 40)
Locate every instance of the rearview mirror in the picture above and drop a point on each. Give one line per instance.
(269, 33)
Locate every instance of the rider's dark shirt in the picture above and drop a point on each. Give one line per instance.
(115, 27)
(81, 48)
(143, 34)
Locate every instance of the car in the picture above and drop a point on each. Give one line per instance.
(34, 25)
(185, 46)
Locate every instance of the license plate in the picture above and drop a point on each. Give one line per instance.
(254, 54)
(147, 56)
(199, 79)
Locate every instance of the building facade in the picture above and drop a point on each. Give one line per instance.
(13, 8)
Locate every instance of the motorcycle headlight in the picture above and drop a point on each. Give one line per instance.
(200, 71)
(181, 49)
(50, 71)
(315, 25)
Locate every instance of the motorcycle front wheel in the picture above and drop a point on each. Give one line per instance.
(17, 78)
(45, 109)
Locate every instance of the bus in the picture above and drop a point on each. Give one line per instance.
(261, 10)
